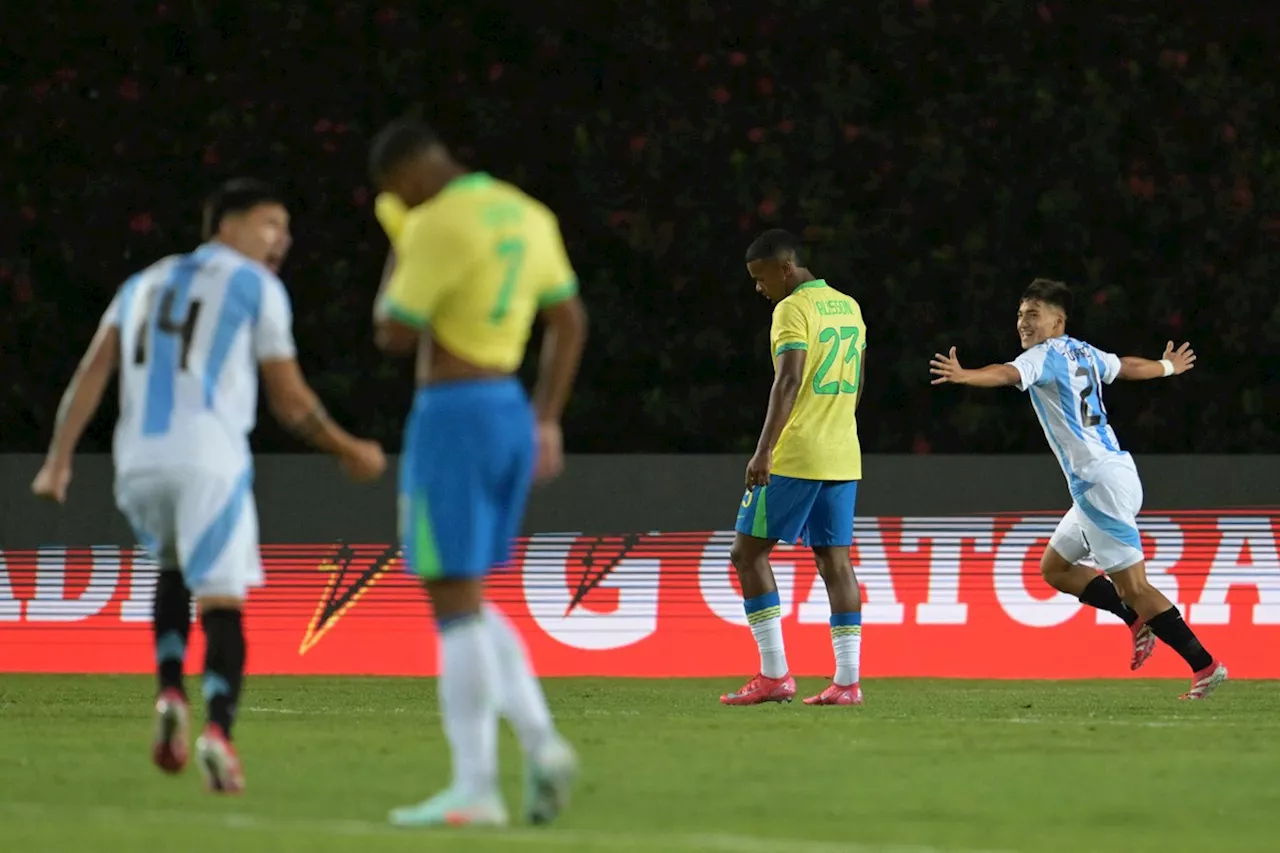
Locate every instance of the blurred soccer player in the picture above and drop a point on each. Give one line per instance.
(193, 331)
(475, 262)
(1064, 377)
(802, 482)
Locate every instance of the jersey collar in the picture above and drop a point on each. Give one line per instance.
(469, 181)
(817, 282)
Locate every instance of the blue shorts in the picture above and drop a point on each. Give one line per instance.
(815, 513)
(465, 474)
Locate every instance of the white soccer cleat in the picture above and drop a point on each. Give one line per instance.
(549, 778)
(451, 808)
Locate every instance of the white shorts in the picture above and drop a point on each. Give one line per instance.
(1103, 523)
(204, 524)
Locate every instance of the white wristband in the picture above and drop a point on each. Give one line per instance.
(1167, 365)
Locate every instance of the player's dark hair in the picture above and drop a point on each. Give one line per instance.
(397, 142)
(234, 197)
(1050, 292)
(773, 244)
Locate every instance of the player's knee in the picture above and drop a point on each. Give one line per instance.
(1131, 583)
(1053, 565)
(834, 565)
(210, 603)
(744, 555)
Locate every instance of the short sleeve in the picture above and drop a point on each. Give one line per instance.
(1108, 365)
(560, 281)
(273, 332)
(790, 330)
(432, 257)
(1030, 367)
(391, 213)
(111, 317)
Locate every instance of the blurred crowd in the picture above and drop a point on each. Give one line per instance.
(935, 156)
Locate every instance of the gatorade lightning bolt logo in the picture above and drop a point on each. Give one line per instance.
(347, 582)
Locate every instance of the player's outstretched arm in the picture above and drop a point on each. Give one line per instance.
(79, 404)
(299, 410)
(1172, 363)
(947, 369)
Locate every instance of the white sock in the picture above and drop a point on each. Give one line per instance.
(521, 699)
(469, 704)
(846, 642)
(764, 615)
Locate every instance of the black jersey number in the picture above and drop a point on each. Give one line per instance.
(167, 324)
(1090, 390)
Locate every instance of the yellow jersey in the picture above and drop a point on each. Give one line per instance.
(820, 438)
(475, 264)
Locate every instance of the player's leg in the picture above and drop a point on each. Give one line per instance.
(767, 514)
(445, 511)
(550, 763)
(218, 547)
(829, 533)
(1108, 513)
(149, 506)
(1061, 569)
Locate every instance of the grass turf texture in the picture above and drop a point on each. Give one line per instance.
(926, 766)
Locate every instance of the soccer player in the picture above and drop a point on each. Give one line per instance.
(802, 482)
(475, 262)
(188, 335)
(1064, 377)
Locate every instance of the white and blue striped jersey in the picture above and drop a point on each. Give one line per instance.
(193, 329)
(1064, 377)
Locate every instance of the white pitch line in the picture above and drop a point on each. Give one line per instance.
(556, 838)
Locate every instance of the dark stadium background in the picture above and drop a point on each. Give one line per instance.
(935, 155)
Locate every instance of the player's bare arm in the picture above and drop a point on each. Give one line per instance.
(1174, 362)
(79, 404)
(299, 410)
(947, 369)
(782, 399)
(562, 345)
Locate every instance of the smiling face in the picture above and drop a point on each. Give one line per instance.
(260, 233)
(1038, 321)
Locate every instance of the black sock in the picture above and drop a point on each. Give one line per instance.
(223, 665)
(171, 626)
(1173, 632)
(1101, 593)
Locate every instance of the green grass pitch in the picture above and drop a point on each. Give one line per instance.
(925, 766)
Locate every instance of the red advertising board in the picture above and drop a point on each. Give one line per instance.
(949, 597)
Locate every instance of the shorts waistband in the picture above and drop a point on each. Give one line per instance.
(465, 390)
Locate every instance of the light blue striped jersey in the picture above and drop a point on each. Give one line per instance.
(193, 329)
(1065, 377)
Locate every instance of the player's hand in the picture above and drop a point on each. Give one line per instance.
(52, 481)
(550, 448)
(1182, 359)
(364, 461)
(947, 368)
(758, 468)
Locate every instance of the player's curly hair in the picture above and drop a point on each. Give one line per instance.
(775, 244)
(1050, 292)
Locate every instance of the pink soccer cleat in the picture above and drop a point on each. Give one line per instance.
(218, 761)
(169, 750)
(1206, 681)
(760, 690)
(1144, 644)
(836, 694)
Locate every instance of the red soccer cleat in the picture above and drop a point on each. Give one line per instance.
(760, 690)
(1206, 681)
(218, 761)
(169, 750)
(836, 694)
(1144, 644)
